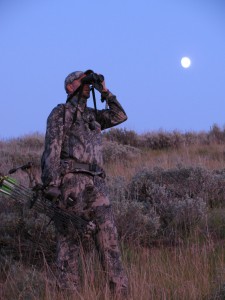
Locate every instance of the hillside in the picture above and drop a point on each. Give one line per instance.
(168, 194)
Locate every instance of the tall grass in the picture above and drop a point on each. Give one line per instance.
(183, 272)
(191, 271)
(182, 265)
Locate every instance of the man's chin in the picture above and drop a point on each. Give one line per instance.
(86, 95)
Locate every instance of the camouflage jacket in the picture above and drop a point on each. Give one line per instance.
(74, 132)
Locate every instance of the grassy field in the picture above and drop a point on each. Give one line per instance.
(183, 258)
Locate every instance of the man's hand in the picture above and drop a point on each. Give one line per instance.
(52, 192)
(101, 87)
(104, 88)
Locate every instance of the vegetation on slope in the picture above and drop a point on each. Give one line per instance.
(168, 194)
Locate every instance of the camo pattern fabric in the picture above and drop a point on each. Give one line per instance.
(74, 132)
(89, 198)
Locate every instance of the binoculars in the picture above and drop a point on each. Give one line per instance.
(92, 78)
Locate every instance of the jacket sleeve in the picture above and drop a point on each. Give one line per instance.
(112, 116)
(50, 161)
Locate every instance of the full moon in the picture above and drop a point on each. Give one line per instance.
(185, 62)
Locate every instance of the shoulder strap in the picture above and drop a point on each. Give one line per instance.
(64, 121)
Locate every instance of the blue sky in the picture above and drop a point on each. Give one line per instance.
(136, 45)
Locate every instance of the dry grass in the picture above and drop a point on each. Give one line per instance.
(184, 272)
(191, 269)
(211, 157)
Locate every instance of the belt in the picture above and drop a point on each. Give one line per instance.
(87, 167)
(69, 165)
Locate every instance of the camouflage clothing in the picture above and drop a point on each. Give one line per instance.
(74, 132)
(74, 136)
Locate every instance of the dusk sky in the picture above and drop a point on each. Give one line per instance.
(136, 45)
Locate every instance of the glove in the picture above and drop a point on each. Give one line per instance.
(98, 86)
(52, 192)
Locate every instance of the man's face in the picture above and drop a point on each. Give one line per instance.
(75, 85)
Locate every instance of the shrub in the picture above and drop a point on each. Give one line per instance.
(114, 152)
(177, 204)
(118, 190)
(216, 135)
(180, 182)
(122, 136)
(162, 140)
(135, 224)
(180, 216)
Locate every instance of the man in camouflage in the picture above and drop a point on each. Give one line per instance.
(72, 169)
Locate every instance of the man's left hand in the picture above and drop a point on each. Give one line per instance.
(52, 193)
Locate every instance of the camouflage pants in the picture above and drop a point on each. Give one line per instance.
(89, 198)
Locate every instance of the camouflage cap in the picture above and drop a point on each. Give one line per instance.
(71, 77)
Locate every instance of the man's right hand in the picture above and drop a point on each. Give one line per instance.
(52, 192)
